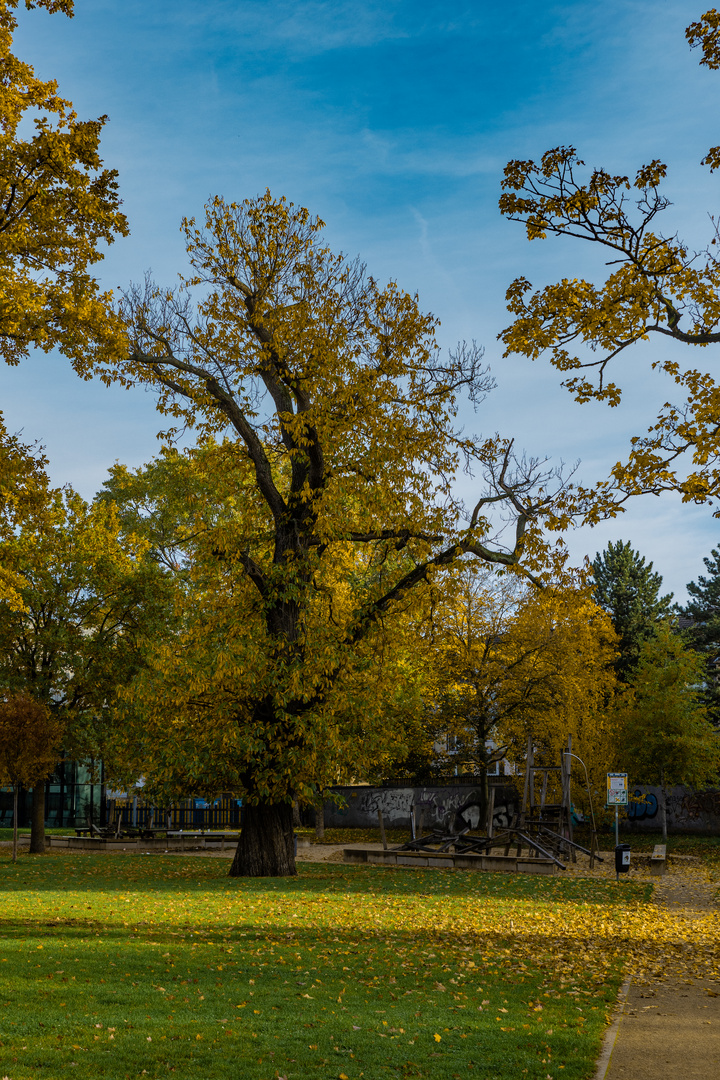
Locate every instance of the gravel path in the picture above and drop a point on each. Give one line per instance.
(670, 1028)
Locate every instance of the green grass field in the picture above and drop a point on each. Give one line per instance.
(124, 966)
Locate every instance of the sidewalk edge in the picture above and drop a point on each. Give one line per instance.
(603, 1063)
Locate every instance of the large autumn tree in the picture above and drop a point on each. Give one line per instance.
(187, 507)
(88, 597)
(341, 414)
(657, 287)
(58, 208)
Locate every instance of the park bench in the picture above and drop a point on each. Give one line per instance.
(658, 860)
(209, 838)
(116, 832)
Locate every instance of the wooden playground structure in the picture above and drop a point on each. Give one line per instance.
(542, 829)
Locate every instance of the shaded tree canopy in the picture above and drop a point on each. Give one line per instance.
(508, 662)
(29, 739)
(29, 745)
(89, 599)
(24, 492)
(664, 736)
(629, 591)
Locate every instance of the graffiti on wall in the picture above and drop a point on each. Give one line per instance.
(701, 802)
(688, 810)
(645, 807)
(439, 807)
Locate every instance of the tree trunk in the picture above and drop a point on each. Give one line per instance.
(266, 847)
(663, 805)
(15, 802)
(37, 834)
(320, 819)
(296, 815)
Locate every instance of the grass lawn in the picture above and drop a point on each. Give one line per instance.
(123, 966)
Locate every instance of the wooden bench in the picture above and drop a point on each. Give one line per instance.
(658, 860)
(208, 837)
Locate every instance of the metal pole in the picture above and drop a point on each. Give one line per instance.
(617, 841)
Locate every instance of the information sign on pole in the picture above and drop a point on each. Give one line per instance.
(617, 795)
(617, 789)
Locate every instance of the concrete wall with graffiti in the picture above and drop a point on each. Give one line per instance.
(687, 810)
(438, 805)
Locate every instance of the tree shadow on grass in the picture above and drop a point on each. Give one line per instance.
(154, 874)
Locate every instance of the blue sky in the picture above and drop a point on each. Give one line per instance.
(392, 121)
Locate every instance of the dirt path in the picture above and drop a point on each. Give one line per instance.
(670, 1028)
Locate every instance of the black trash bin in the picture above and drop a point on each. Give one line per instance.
(622, 858)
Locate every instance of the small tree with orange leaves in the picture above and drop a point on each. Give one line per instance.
(29, 746)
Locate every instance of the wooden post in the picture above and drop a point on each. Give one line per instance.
(382, 830)
(527, 791)
(573, 853)
(15, 813)
(490, 811)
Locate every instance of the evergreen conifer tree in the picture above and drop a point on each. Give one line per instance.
(629, 591)
(702, 611)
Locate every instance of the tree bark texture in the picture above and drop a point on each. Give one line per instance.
(266, 847)
(37, 834)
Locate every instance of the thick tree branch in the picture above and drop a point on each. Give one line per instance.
(234, 414)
